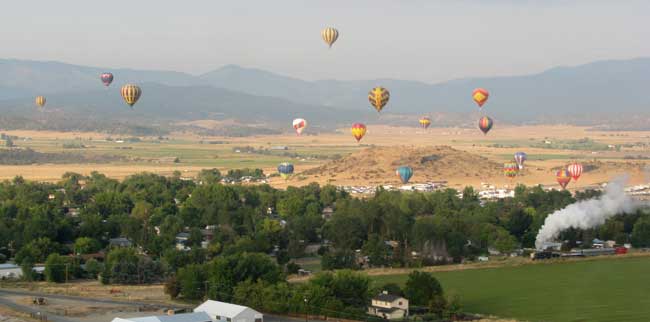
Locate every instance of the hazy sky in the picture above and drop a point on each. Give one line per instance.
(426, 40)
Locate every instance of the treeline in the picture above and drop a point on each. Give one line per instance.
(20, 156)
(238, 130)
(281, 151)
(53, 122)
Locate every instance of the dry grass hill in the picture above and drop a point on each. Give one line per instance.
(376, 165)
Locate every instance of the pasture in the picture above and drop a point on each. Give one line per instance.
(608, 289)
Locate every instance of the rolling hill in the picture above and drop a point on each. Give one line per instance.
(588, 94)
(600, 88)
(376, 165)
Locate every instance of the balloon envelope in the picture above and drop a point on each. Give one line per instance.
(285, 169)
(378, 97)
(299, 125)
(358, 131)
(404, 174)
(510, 169)
(131, 93)
(330, 35)
(563, 177)
(425, 122)
(520, 158)
(480, 96)
(485, 124)
(107, 78)
(575, 170)
(40, 101)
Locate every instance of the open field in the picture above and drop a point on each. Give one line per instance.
(611, 289)
(309, 151)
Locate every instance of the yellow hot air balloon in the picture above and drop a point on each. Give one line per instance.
(378, 97)
(330, 35)
(131, 93)
(40, 101)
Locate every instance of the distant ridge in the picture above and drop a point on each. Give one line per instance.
(585, 93)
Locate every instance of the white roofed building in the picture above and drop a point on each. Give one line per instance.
(227, 312)
(183, 317)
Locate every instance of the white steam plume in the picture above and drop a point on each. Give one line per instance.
(588, 213)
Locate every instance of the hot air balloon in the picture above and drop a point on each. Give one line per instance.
(480, 96)
(107, 78)
(425, 121)
(510, 169)
(404, 174)
(40, 101)
(575, 170)
(285, 169)
(299, 125)
(358, 131)
(563, 177)
(485, 124)
(131, 93)
(378, 97)
(520, 158)
(330, 35)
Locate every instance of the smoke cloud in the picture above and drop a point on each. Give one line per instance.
(588, 213)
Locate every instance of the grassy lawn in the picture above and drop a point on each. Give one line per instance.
(616, 289)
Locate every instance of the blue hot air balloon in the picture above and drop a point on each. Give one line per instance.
(285, 169)
(404, 174)
(520, 158)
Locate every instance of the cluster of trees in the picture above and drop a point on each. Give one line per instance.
(66, 123)
(29, 156)
(251, 247)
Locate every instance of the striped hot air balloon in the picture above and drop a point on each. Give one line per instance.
(131, 93)
(285, 169)
(358, 131)
(520, 158)
(563, 177)
(40, 101)
(404, 174)
(107, 78)
(510, 169)
(330, 35)
(378, 97)
(575, 170)
(485, 124)
(425, 121)
(480, 96)
(299, 125)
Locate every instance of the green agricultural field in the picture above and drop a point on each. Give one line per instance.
(613, 289)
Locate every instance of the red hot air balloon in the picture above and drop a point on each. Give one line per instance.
(485, 124)
(575, 170)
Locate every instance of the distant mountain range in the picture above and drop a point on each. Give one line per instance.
(586, 93)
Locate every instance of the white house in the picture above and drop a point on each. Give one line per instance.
(388, 306)
(10, 271)
(226, 312)
(184, 317)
